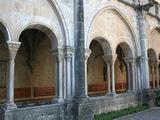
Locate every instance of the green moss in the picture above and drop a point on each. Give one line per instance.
(119, 113)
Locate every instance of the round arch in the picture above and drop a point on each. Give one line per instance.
(4, 29)
(155, 27)
(49, 32)
(97, 67)
(104, 44)
(35, 63)
(4, 38)
(123, 69)
(152, 54)
(151, 64)
(128, 53)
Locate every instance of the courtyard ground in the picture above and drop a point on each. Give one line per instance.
(151, 114)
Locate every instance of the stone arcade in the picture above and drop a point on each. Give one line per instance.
(71, 59)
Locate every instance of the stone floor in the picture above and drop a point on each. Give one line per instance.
(152, 114)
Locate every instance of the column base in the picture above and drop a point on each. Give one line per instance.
(58, 100)
(10, 106)
(68, 100)
(131, 91)
(81, 99)
(111, 94)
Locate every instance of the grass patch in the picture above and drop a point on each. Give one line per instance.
(119, 113)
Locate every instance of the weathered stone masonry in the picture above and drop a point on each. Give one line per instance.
(71, 59)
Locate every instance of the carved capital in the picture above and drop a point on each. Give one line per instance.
(13, 48)
(58, 54)
(68, 57)
(87, 53)
(114, 57)
(69, 51)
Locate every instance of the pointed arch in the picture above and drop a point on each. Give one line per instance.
(62, 22)
(120, 13)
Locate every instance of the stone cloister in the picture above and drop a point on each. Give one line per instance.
(71, 59)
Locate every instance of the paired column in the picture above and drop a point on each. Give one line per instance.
(87, 55)
(64, 82)
(130, 63)
(59, 58)
(68, 57)
(13, 48)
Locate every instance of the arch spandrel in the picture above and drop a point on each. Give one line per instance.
(112, 24)
(154, 40)
(20, 14)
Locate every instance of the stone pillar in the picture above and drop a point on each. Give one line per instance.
(114, 57)
(157, 74)
(13, 48)
(87, 55)
(68, 57)
(143, 42)
(107, 59)
(59, 59)
(80, 50)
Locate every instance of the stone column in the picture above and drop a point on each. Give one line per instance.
(87, 55)
(133, 74)
(128, 75)
(109, 77)
(138, 64)
(59, 59)
(68, 57)
(114, 57)
(13, 48)
(157, 74)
